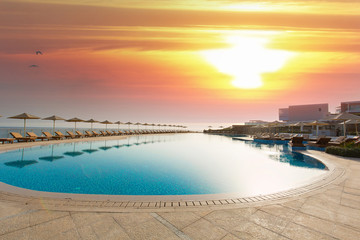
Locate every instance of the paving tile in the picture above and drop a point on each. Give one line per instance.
(333, 196)
(72, 234)
(128, 220)
(352, 184)
(85, 218)
(14, 223)
(86, 232)
(44, 216)
(52, 228)
(230, 237)
(203, 229)
(225, 219)
(180, 219)
(350, 203)
(150, 229)
(109, 229)
(346, 233)
(317, 224)
(297, 232)
(23, 234)
(203, 213)
(279, 211)
(244, 212)
(271, 222)
(11, 210)
(315, 210)
(348, 221)
(349, 211)
(248, 230)
(353, 191)
(295, 204)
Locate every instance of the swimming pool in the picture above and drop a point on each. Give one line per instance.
(171, 164)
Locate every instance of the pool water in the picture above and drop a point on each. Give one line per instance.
(171, 164)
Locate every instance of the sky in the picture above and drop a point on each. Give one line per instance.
(178, 61)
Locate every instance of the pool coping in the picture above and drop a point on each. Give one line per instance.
(130, 203)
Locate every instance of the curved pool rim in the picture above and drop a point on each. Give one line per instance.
(316, 183)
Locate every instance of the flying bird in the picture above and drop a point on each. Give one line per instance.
(38, 52)
(33, 66)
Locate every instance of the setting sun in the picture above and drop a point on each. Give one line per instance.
(246, 59)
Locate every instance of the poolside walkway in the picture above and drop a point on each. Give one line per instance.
(328, 210)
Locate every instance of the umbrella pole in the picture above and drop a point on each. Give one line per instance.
(91, 126)
(75, 126)
(357, 134)
(344, 129)
(54, 127)
(24, 127)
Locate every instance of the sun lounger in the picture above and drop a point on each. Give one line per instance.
(296, 142)
(50, 136)
(321, 142)
(95, 133)
(58, 133)
(9, 140)
(78, 133)
(32, 134)
(338, 141)
(20, 138)
(109, 133)
(315, 138)
(306, 137)
(73, 135)
(102, 133)
(89, 134)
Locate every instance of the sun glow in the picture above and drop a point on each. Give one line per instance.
(246, 60)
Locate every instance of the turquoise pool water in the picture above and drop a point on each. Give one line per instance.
(176, 164)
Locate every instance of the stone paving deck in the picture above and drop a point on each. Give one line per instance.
(328, 208)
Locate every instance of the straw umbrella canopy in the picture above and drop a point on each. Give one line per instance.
(25, 116)
(353, 121)
(275, 124)
(91, 121)
(106, 122)
(129, 123)
(53, 118)
(75, 120)
(146, 124)
(344, 117)
(299, 124)
(118, 123)
(317, 124)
